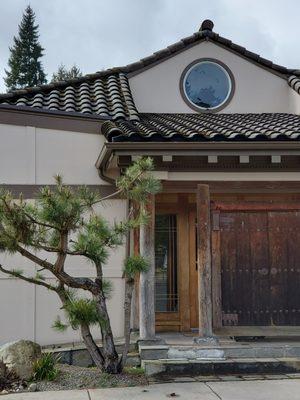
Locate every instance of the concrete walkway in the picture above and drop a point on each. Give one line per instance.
(287, 389)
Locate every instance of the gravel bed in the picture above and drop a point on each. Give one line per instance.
(73, 377)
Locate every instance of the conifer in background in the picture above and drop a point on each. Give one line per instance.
(25, 67)
(64, 74)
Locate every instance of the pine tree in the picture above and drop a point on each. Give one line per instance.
(25, 67)
(64, 74)
(63, 222)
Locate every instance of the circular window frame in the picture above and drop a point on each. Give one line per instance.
(190, 103)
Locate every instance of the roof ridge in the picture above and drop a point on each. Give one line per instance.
(205, 33)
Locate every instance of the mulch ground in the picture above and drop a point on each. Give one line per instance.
(73, 377)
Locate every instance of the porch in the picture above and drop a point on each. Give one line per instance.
(233, 273)
(182, 356)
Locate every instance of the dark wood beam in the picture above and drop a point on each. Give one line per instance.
(233, 186)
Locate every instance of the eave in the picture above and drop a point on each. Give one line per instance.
(113, 152)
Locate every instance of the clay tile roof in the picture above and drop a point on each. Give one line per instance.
(294, 82)
(104, 95)
(205, 127)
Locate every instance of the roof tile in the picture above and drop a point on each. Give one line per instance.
(199, 127)
(108, 96)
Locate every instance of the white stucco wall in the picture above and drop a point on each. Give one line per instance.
(157, 89)
(30, 155)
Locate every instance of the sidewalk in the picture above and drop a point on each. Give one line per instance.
(287, 389)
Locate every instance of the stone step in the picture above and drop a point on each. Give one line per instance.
(243, 366)
(270, 350)
(153, 352)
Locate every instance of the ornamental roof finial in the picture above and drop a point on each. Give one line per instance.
(207, 25)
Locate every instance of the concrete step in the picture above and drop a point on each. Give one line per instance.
(256, 350)
(243, 366)
(153, 352)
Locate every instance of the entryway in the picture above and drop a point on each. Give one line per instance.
(255, 248)
(259, 255)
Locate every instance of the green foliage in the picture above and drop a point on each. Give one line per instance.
(64, 74)
(82, 311)
(134, 371)
(63, 222)
(107, 288)
(61, 207)
(25, 67)
(134, 265)
(58, 325)
(108, 380)
(45, 368)
(137, 182)
(95, 237)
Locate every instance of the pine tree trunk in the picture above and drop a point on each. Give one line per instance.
(129, 286)
(110, 355)
(91, 346)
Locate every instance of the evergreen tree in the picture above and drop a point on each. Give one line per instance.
(64, 223)
(25, 67)
(64, 74)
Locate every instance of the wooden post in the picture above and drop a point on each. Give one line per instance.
(204, 261)
(147, 279)
(135, 303)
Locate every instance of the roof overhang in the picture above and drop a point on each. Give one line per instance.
(166, 152)
(50, 119)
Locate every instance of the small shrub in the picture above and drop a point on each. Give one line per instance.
(134, 371)
(107, 380)
(45, 368)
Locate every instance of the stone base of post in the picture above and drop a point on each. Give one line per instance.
(207, 340)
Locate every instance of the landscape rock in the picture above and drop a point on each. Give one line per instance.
(19, 357)
(32, 387)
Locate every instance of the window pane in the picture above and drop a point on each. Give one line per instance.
(166, 288)
(207, 85)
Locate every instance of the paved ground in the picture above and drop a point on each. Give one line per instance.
(285, 389)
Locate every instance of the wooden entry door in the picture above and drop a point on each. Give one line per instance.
(260, 266)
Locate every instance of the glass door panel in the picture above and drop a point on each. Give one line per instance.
(166, 271)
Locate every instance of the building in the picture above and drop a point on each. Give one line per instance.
(223, 126)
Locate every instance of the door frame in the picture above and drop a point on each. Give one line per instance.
(177, 321)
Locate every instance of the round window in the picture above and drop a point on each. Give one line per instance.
(207, 85)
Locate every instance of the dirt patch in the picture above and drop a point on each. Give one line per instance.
(73, 377)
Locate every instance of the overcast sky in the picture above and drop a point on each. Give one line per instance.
(96, 34)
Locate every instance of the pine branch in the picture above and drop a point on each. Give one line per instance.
(19, 275)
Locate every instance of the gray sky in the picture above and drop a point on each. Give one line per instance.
(96, 34)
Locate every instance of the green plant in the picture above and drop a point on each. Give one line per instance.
(134, 371)
(45, 368)
(64, 223)
(107, 380)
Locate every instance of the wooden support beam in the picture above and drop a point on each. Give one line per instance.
(147, 279)
(204, 261)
